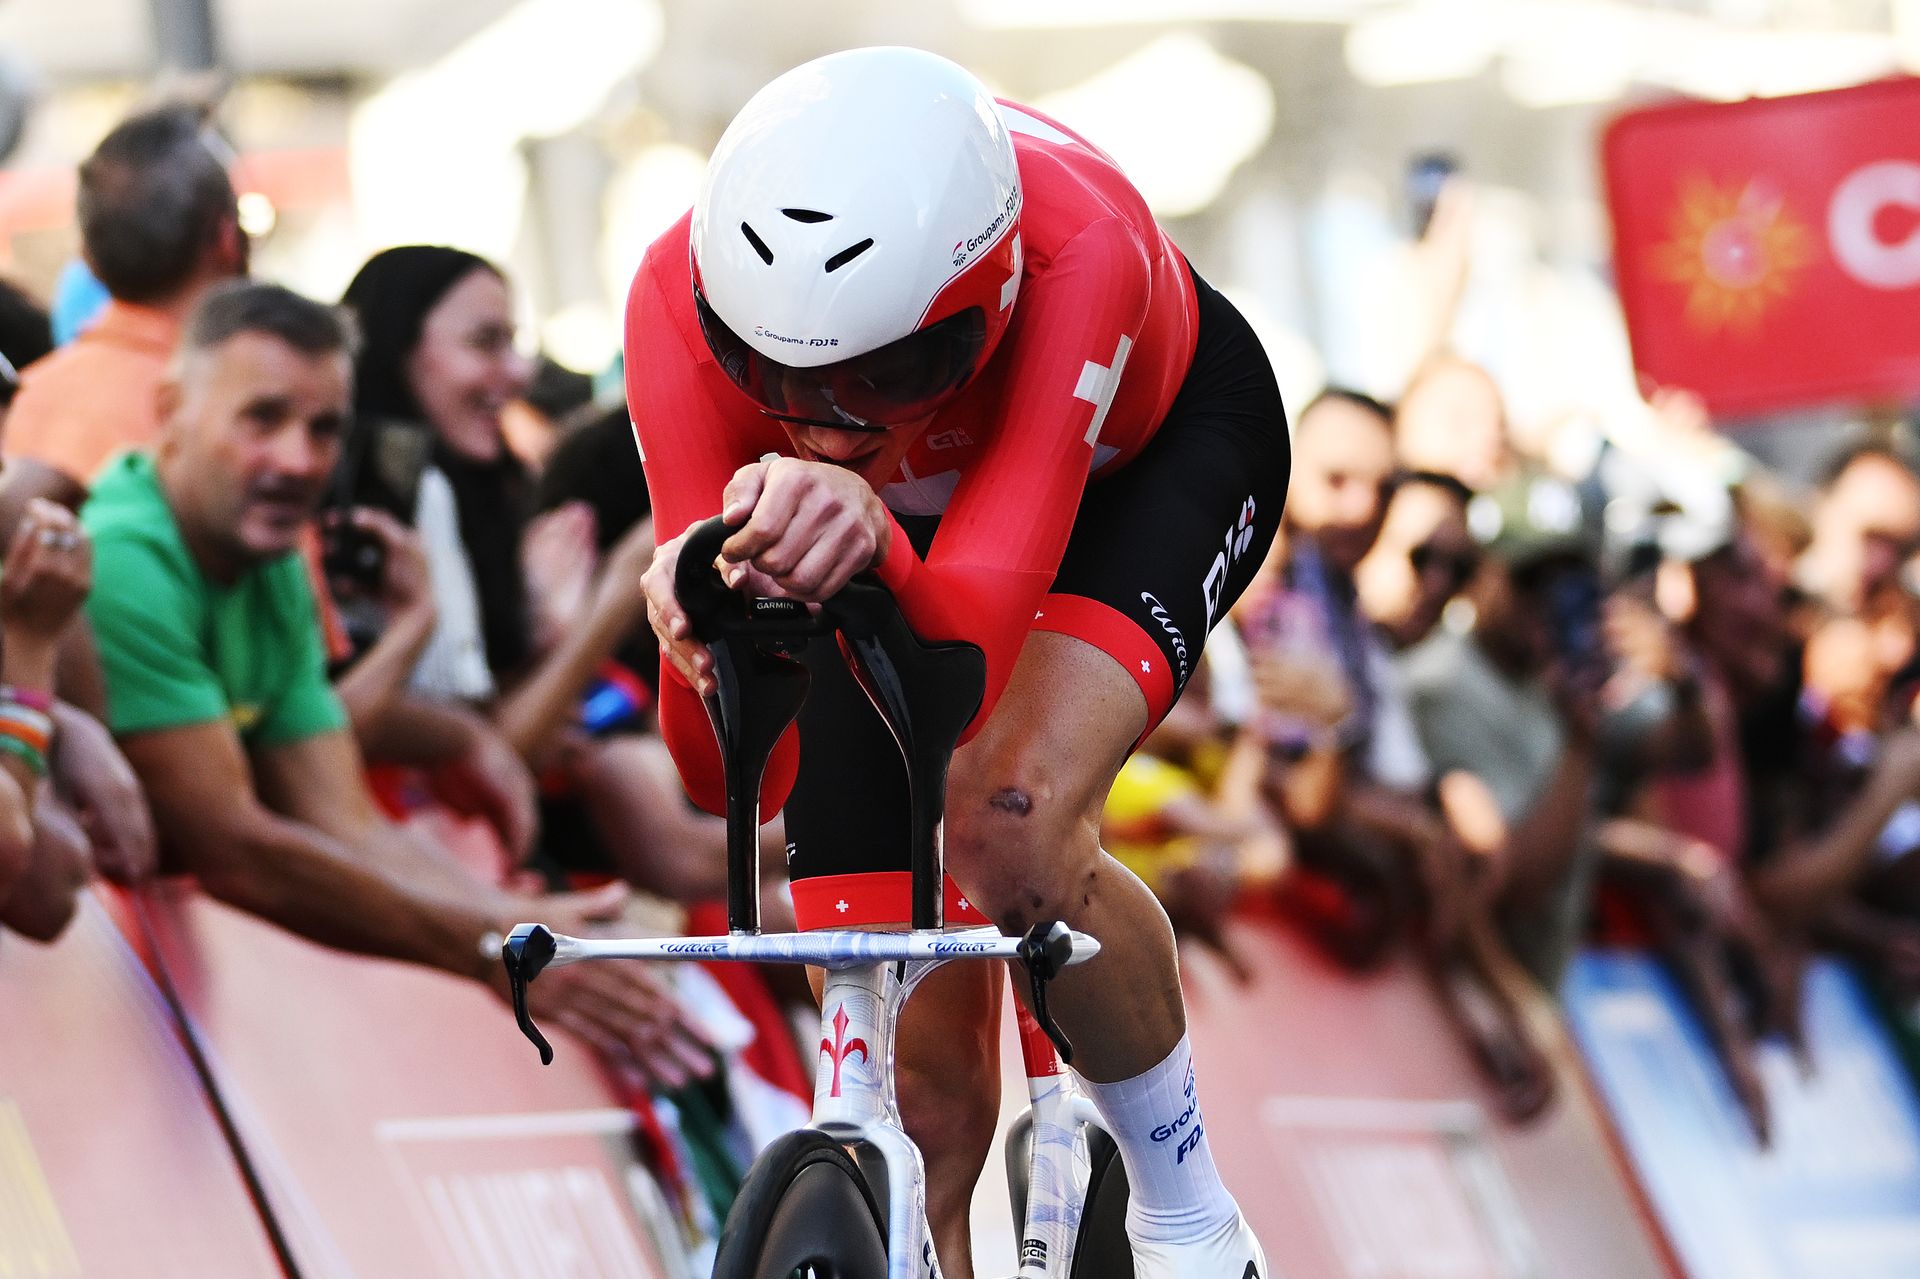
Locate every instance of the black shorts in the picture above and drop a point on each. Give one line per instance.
(1159, 552)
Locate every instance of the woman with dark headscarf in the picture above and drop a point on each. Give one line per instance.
(436, 368)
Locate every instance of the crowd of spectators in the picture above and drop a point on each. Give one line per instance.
(1505, 706)
(282, 576)
(317, 604)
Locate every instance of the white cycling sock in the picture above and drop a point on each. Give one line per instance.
(1175, 1192)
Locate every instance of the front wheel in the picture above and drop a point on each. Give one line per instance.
(804, 1212)
(1101, 1250)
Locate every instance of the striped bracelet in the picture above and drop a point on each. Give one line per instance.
(25, 731)
(36, 761)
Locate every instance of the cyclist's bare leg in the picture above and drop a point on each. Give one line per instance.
(1023, 824)
(1023, 841)
(947, 1080)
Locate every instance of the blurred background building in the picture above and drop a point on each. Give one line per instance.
(560, 136)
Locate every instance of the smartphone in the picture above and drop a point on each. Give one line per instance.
(1426, 174)
(1574, 599)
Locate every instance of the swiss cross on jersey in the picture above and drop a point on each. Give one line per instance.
(1106, 359)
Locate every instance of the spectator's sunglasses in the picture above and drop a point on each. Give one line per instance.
(9, 382)
(1460, 566)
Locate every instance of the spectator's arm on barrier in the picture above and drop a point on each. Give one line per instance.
(58, 866)
(317, 782)
(672, 849)
(294, 874)
(16, 838)
(93, 778)
(1543, 843)
(1803, 879)
(331, 869)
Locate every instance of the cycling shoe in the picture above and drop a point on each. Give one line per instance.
(1231, 1253)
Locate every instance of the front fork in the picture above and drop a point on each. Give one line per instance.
(1048, 1165)
(853, 1098)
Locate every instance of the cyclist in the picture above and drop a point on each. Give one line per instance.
(908, 328)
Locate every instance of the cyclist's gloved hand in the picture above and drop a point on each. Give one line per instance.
(810, 527)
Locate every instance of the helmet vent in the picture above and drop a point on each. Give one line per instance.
(759, 245)
(808, 215)
(847, 255)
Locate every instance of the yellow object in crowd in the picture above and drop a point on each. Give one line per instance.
(1135, 826)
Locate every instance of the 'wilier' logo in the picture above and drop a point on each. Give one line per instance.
(1233, 546)
(1161, 616)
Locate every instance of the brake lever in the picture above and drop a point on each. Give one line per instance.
(526, 951)
(1045, 950)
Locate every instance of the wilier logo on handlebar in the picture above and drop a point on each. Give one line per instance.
(1233, 546)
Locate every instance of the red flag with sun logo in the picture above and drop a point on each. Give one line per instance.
(1767, 252)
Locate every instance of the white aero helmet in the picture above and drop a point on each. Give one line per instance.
(856, 243)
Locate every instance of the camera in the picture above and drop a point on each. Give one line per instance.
(353, 554)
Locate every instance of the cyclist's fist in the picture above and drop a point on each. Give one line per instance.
(810, 526)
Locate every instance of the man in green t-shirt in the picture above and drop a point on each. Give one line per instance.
(217, 688)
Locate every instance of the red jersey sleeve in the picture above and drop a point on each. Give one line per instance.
(690, 443)
(1002, 537)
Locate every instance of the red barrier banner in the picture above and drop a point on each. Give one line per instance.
(111, 1160)
(1347, 1121)
(1767, 252)
(403, 1127)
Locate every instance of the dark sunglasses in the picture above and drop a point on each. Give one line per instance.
(1460, 566)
